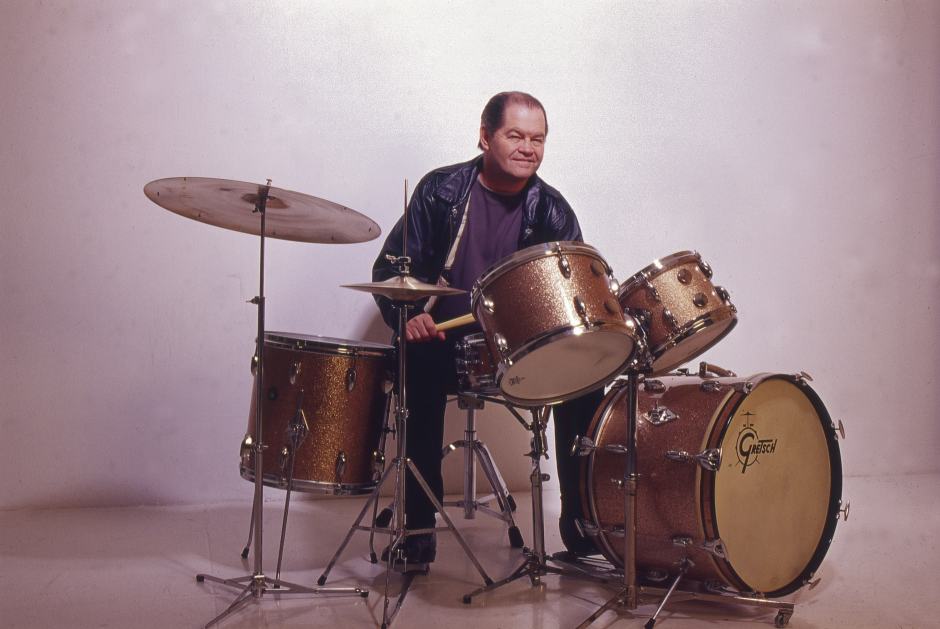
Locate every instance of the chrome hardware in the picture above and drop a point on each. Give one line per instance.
(378, 464)
(597, 268)
(654, 386)
(582, 446)
(285, 458)
(700, 300)
(684, 276)
(616, 448)
(294, 372)
(488, 304)
(351, 378)
(245, 450)
(254, 365)
(717, 587)
(683, 541)
(388, 384)
(843, 512)
(654, 294)
(501, 345)
(812, 583)
(709, 460)
(803, 377)
(706, 269)
(619, 482)
(565, 266)
(744, 387)
(710, 386)
(613, 285)
(716, 547)
(641, 315)
(659, 415)
(723, 293)
(340, 466)
(670, 319)
(705, 368)
(581, 309)
(839, 430)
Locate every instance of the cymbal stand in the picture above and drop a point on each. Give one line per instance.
(401, 466)
(256, 584)
(627, 599)
(535, 565)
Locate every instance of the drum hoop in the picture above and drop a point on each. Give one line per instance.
(326, 345)
(548, 249)
(695, 326)
(310, 486)
(543, 340)
(657, 267)
(835, 488)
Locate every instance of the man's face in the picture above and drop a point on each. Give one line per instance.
(514, 151)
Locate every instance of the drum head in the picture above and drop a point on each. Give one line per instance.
(567, 366)
(697, 339)
(774, 492)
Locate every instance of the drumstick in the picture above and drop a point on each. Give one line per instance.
(467, 319)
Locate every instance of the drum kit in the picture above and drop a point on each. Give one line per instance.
(727, 484)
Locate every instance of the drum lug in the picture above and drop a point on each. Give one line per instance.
(684, 276)
(659, 415)
(706, 268)
(378, 464)
(581, 309)
(743, 387)
(682, 541)
(843, 512)
(803, 377)
(654, 294)
(709, 460)
(710, 386)
(351, 379)
(839, 430)
(723, 294)
(254, 365)
(340, 466)
(246, 449)
(294, 372)
(716, 547)
(699, 300)
(502, 346)
(582, 446)
(670, 319)
(488, 304)
(564, 265)
(613, 285)
(654, 386)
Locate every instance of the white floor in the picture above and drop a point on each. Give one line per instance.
(135, 567)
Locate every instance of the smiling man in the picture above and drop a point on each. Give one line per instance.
(462, 219)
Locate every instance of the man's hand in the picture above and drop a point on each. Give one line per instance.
(421, 329)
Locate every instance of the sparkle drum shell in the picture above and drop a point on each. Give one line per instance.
(342, 388)
(552, 321)
(476, 369)
(769, 511)
(682, 312)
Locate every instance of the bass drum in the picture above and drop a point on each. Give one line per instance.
(742, 475)
(340, 388)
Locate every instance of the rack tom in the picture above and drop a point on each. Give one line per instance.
(338, 390)
(681, 311)
(552, 322)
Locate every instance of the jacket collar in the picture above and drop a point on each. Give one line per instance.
(456, 186)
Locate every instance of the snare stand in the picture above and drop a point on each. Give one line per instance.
(401, 466)
(627, 599)
(256, 584)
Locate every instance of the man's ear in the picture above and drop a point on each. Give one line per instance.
(484, 141)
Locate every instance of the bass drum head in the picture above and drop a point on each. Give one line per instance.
(776, 494)
(567, 365)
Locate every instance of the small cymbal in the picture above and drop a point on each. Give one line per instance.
(405, 288)
(288, 215)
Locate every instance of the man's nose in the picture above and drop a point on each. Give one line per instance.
(527, 147)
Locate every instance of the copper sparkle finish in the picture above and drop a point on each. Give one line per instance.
(775, 520)
(553, 353)
(289, 215)
(680, 285)
(344, 386)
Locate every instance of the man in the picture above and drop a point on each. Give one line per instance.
(507, 208)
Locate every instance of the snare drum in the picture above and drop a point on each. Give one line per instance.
(341, 389)
(553, 323)
(476, 369)
(680, 309)
(742, 475)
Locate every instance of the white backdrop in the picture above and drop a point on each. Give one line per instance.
(796, 145)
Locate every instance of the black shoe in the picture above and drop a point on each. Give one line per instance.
(576, 543)
(420, 548)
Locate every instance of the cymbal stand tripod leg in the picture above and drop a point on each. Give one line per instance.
(256, 584)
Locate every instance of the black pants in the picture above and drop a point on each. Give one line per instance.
(431, 377)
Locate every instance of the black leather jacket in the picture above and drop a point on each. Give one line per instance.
(434, 216)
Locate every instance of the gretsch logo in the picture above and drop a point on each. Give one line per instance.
(750, 446)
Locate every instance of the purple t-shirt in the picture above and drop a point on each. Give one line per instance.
(492, 232)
